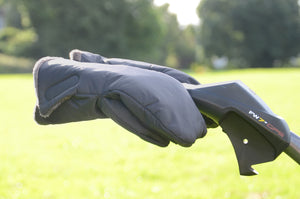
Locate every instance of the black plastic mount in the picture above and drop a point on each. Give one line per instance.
(256, 133)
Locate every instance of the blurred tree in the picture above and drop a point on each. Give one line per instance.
(171, 31)
(17, 42)
(124, 28)
(178, 46)
(117, 28)
(186, 47)
(16, 37)
(254, 32)
(12, 14)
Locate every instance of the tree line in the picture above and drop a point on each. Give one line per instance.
(252, 33)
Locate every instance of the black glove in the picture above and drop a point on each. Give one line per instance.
(84, 56)
(153, 105)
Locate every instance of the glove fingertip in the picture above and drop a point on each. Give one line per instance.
(75, 55)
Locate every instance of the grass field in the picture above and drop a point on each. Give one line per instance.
(98, 159)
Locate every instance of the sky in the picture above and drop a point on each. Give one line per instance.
(184, 9)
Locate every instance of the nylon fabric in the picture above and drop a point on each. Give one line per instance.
(150, 104)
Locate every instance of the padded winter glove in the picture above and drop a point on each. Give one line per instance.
(84, 56)
(153, 105)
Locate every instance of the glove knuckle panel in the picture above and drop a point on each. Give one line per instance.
(61, 87)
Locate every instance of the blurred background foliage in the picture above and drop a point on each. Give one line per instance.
(231, 33)
(257, 33)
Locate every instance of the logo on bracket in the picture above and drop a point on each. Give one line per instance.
(264, 122)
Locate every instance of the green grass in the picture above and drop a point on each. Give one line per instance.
(99, 159)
